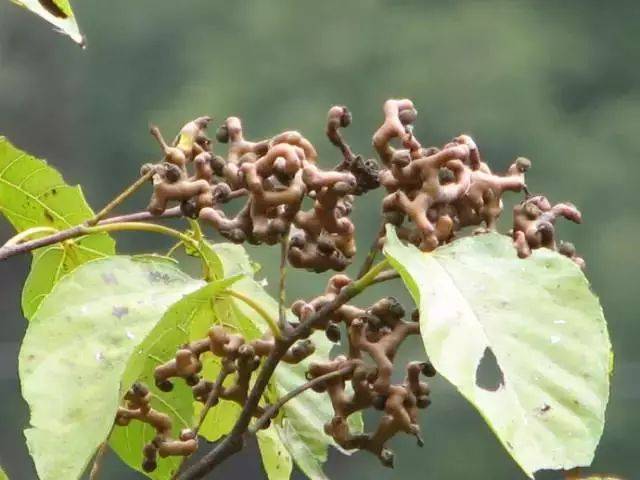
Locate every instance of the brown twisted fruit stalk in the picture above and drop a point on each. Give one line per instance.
(191, 141)
(400, 404)
(416, 188)
(138, 408)
(237, 357)
(439, 190)
(533, 226)
(399, 116)
(324, 236)
(374, 337)
(271, 172)
(366, 172)
(170, 183)
(482, 202)
(240, 150)
(326, 226)
(304, 310)
(192, 138)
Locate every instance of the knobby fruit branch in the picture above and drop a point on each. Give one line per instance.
(432, 194)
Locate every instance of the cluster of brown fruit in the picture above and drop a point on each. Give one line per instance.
(374, 335)
(275, 175)
(439, 190)
(138, 407)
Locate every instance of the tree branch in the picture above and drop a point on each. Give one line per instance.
(9, 250)
(272, 410)
(385, 276)
(282, 320)
(234, 442)
(121, 198)
(373, 251)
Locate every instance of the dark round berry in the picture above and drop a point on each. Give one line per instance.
(164, 385)
(379, 401)
(149, 465)
(333, 333)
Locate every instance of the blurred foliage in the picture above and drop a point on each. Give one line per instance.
(558, 82)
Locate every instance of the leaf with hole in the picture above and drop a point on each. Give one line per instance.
(56, 12)
(525, 341)
(33, 194)
(75, 351)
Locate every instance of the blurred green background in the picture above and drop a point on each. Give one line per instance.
(558, 82)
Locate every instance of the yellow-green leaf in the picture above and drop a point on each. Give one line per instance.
(533, 325)
(275, 456)
(33, 194)
(73, 357)
(194, 311)
(58, 13)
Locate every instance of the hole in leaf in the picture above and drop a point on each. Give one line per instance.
(489, 376)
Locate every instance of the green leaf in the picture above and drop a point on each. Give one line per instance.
(76, 349)
(193, 313)
(56, 12)
(535, 323)
(3, 476)
(220, 419)
(275, 457)
(32, 194)
(51, 263)
(301, 427)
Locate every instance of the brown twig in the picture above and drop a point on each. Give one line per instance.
(234, 442)
(373, 251)
(121, 198)
(282, 320)
(386, 276)
(272, 410)
(214, 395)
(97, 462)
(79, 230)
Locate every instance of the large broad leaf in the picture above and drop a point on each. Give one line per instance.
(301, 424)
(76, 349)
(194, 312)
(276, 459)
(535, 323)
(56, 12)
(32, 194)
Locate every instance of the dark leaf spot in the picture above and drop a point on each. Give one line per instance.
(119, 312)
(48, 216)
(51, 7)
(489, 376)
(545, 408)
(157, 277)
